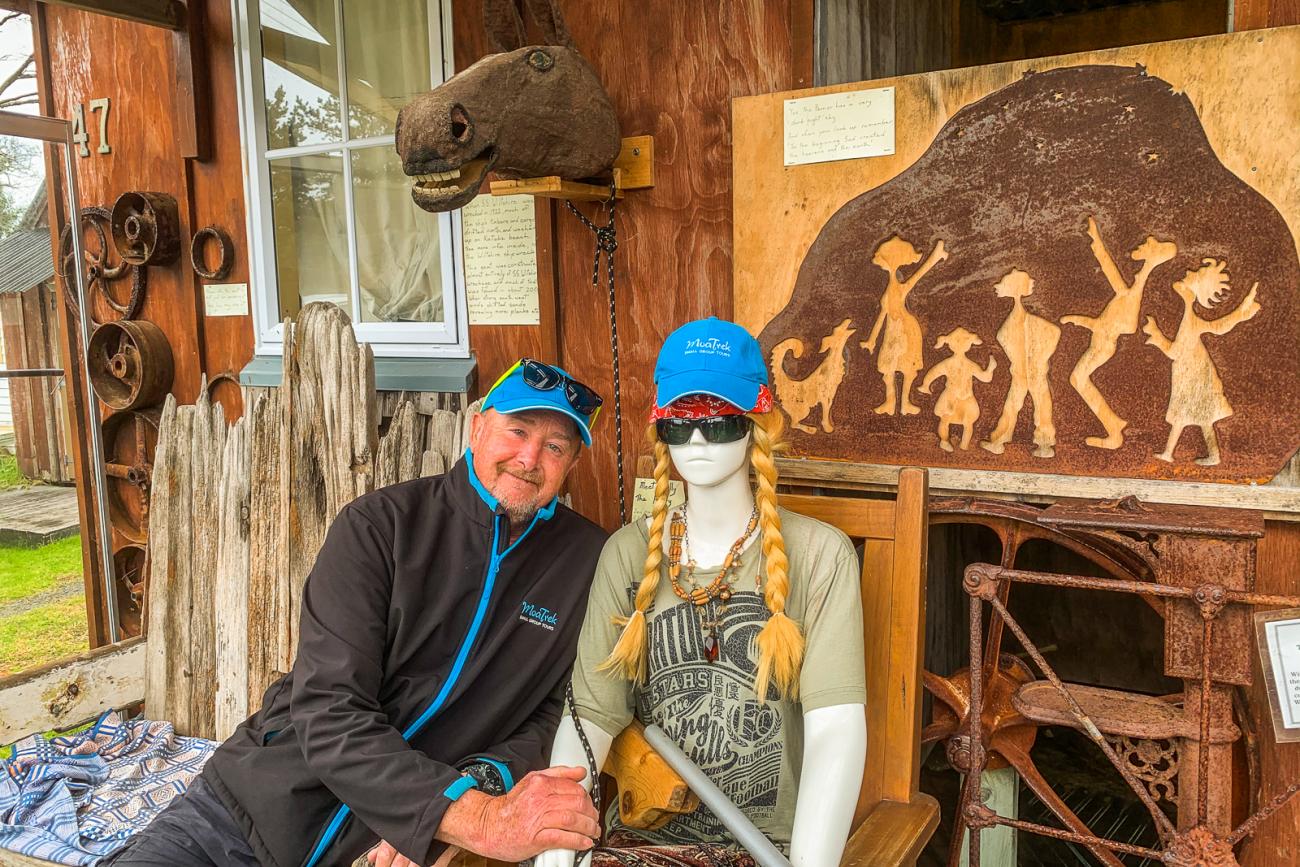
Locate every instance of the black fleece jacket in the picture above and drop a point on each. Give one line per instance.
(427, 639)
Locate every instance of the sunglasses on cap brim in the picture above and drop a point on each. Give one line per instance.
(717, 429)
(542, 377)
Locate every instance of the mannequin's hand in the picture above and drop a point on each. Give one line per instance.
(385, 855)
(562, 858)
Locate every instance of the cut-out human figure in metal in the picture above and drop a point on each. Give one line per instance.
(956, 404)
(1196, 397)
(799, 396)
(1119, 317)
(1029, 342)
(902, 342)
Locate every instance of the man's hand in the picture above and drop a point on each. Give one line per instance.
(545, 810)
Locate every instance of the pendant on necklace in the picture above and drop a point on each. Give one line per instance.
(711, 646)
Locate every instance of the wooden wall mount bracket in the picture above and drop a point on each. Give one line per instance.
(633, 170)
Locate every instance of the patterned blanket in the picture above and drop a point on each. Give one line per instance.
(76, 799)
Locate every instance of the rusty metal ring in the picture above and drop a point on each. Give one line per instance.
(198, 245)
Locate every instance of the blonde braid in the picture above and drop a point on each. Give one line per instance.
(628, 658)
(780, 642)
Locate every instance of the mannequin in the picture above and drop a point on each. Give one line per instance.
(720, 504)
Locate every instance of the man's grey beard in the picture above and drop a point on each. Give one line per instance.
(520, 515)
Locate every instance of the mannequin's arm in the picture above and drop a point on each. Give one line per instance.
(834, 752)
(567, 750)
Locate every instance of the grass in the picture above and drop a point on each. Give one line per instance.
(46, 632)
(43, 634)
(10, 477)
(27, 571)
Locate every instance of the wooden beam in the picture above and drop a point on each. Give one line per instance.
(158, 13)
(193, 88)
(1277, 502)
(61, 694)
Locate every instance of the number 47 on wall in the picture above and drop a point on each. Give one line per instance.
(79, 134)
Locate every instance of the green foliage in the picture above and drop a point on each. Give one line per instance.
(25, 572)
(10, 475)
(43, 635)
(17, 159)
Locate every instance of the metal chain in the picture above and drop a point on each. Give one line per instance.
(591, 757)
(607, 243)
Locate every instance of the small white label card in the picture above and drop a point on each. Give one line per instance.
(839, 126)
(643, 497)
(225, 299)
(1279, 647)
(500, 244)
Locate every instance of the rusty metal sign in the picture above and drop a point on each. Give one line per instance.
(1068, 280)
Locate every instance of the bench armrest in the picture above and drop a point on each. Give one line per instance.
(893, 833)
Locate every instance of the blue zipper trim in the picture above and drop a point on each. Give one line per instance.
(341, 812)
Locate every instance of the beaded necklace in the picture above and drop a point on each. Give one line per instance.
(719, 589)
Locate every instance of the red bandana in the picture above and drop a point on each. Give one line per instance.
(708, 406)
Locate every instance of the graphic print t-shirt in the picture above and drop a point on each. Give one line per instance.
(751, 749)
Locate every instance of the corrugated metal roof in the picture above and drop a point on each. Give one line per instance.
(25, 260)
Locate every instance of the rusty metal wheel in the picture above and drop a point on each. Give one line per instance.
(108, 302)
(130, 566)
(130, 438)
(146, 228)
(130, 364)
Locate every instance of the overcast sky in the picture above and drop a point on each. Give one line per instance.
(15, 46)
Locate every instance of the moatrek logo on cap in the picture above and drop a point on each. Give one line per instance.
(712, 346)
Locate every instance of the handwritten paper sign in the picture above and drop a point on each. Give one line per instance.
(500, 244)
(1279, 644)
(225, 299)
(839, 126)
(643, 497)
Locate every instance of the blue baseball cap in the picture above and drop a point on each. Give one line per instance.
(511, 394)
(710, 356)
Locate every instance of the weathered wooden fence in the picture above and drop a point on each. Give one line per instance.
(240, 511)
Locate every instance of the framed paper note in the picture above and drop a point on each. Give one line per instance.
(1278, 633)
(839, 126)
(499, 237)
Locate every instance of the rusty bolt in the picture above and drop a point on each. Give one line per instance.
(1211, 598)
(981, 580)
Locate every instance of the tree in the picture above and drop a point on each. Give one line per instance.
(18, 87)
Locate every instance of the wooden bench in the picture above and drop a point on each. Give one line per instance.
(894, 819)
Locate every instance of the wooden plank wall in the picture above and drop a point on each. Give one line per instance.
(1278, 838)
(671, 70)
(82, 56)
(859, 40)
(133, 64)
(980, 39)
(30, 322)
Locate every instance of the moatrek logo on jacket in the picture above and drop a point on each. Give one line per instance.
(538, 616)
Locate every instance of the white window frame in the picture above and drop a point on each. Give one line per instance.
(446, 339)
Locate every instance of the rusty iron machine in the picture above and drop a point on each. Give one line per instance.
(1196, 568)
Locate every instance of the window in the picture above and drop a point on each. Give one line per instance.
(330, 211)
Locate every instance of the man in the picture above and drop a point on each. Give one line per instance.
(438, 626)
